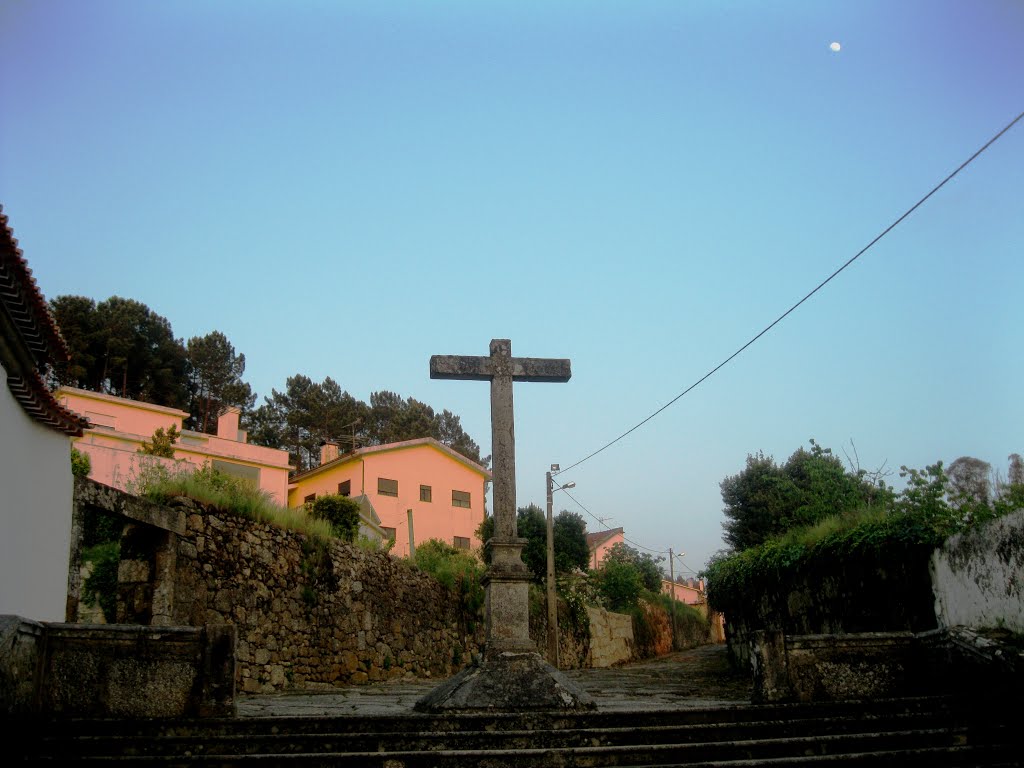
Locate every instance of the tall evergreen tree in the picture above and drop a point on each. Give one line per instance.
(215, 380)
(121, 347)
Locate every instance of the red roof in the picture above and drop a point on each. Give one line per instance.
(32, 340)
(596, 539)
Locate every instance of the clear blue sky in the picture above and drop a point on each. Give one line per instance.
(345, 189)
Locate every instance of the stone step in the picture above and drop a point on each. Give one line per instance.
(498, 721)
(925, 731)
(909, 755)
(282, 741)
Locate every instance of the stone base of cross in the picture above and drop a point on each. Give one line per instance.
(511, 675)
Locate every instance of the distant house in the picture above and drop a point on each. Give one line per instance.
(690, 592)
(601, 542)
(35, 430)
(419, 482)
(118, 427)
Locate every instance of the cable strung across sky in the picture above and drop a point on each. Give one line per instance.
(789, 311)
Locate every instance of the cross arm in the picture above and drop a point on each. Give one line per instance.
(541, 369)
(462, 367)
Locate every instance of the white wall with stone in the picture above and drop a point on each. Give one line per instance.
(35, 513)
(978, 576)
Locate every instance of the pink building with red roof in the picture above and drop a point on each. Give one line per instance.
(419, 489)
(601, 542)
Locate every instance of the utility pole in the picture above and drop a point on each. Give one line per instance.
(672, 577)
(412, 539)
(552, 605)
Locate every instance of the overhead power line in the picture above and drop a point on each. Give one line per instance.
(820, 285)
(599, 520)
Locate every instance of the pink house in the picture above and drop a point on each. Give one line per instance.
(691, 592)
(420, 489)
(601, 542)
(118, 427)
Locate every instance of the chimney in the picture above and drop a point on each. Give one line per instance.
(329, 451)
(227, 424)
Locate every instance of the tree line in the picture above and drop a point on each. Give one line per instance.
(122, 347)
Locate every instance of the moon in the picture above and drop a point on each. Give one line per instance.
(836, 47)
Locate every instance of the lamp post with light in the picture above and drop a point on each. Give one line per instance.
(552, 604)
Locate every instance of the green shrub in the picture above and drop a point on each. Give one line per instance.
(102, 582)
(619, 583)
(81, 464)
(340, 512)
(867, 533)
(456, 569)
(162, 444)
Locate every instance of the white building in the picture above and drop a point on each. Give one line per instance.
(35, 465)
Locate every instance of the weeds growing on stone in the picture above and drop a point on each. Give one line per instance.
(206, 485)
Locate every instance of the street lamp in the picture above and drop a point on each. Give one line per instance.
(672, 581)
(552, 605)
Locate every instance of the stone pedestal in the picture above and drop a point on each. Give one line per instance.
(507, 682)
(511, 676)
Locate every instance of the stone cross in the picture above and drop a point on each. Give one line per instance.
(507, 580)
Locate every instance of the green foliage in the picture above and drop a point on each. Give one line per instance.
(577, 595)
(308, 413)
(456, 569)
(81, 464)
(645, 564)
(619, 583)
(121, 347)
(317, 566)
(691, 624)
(341, 512)
(930, 508)
(732, 579)
(223, 492)
(569, 534)
(570, 542)
(100, 527)
(162, 444)
(101, 584)
(766, 499)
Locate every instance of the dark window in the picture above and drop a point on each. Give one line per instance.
(251, 474)
(461, 542)
(345, 488)
(387, 487)
(425, 493)
(460, 499)
(309, 499)
(389, 533)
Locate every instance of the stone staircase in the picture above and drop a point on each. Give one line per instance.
(898, 732)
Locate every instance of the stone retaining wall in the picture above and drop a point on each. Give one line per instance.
(611, 637)
(74, 670)
(314, 614)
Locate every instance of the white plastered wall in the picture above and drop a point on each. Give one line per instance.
(978, 576)
(35, 513)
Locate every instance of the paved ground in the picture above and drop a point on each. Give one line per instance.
(700, 677)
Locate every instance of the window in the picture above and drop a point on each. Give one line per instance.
(309, 499)
(425, 493)
(387, 487)
(460, 542)
(345, 488)
(389, 533)
(460, 499)
(251, 474)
